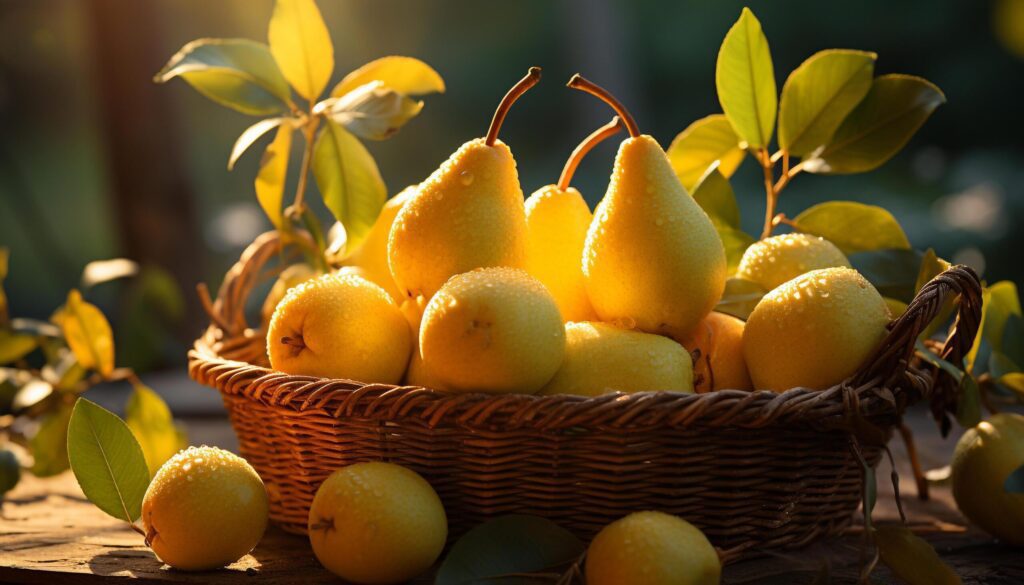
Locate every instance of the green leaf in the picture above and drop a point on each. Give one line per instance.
(704, 142)
(349, 181)
(49, 446)
(100, 271)
(107, 461)
(14, 346)
(895, 107)
(507, 545)
(149, 419)
(406, 75)
(870, 492)
(10, 472)
(819, 94)
(1015, 482)
(88, 334)
(890, 271)
(746, 81)
(735, 243)
(932, 266)
(371, 111)
(270, 180)
(251, 135)
(301, 46)
(237, 73)
(853, 227)
(968, 402)
(1013, 338)
(715, 196)
(740, 297)
(911, 558)
(1002, 303)
(952, 369)
(1014, 382)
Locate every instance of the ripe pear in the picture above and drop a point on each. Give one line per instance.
(492, 330)
(814, 331)
(372, 255)
(289, 278)
(468, 214)
(602, 358)
(717, 349)
(772, 261)
(652, 256)
(416, 374)
(984, 457)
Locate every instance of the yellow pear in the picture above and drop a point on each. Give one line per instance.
(372, 255)
(557, 219)
(984, 457)
(652, 256)
(601, 358)
(772, 261)
(814, 331)
(290, 277)
(492, 330)
(468, 214)
(416, 374)
(717, 349)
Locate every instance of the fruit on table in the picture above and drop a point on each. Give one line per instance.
(492, 330)
(984, 457)
(717, 349)
(468, 214)
(289, 278)
(601, 358)
(652, 548)
(340, 326)
(10, 471)
(372, 255)
(377, 523)
(814, 331)
(557, 220)
(652, 255)
(204, 509)
(775, 260)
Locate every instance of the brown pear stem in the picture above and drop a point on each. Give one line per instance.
(607, 131)
(583, 84)
(295, 342)
(521, 87)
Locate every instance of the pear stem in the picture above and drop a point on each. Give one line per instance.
(521, 87)
(583, 84)
(596, 137)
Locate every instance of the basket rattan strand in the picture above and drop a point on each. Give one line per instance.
(754, 470)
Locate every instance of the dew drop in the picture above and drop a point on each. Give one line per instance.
(466, 178)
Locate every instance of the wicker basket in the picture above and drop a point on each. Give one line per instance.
(752, 469)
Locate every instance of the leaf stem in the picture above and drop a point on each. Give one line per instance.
(295, 210)
(771, 195)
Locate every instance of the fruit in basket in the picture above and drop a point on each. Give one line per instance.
(652, 255)
(717, 349)
(340, 326)
(601, 358)
(204, 509)
(814, 331)
(492, 330)
(468, 214)
(652, 548)
(377, 523)
(557, 220)
(416, 374)
(775, 260)
(984, 458)
(372, 255)
(289, 278)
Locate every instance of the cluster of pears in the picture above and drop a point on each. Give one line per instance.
(463, 286)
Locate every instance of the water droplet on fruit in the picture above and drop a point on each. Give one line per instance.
(466, 178)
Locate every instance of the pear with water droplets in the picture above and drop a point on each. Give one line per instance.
(468, 214)
(652, 255)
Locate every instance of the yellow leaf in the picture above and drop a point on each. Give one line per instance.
(301, 46)
(912, 558)
(14, 345)
(88, 334)
(702, 143)
(273, 173)
(405, 75)
(149, 419)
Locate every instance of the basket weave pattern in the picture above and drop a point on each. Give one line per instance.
(753, 470)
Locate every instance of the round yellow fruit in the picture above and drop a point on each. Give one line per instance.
(492, 330)
(984, 457)
(772, 261)
(372, 255)
(289, 278)
(340, 326)
(205, 509)
(717, 349)
(601, 358)
(814, 331)
(652, 548)
(376, 523)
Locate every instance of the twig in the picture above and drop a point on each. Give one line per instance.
(915, 463)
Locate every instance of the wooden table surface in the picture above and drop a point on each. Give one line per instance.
(50, 534)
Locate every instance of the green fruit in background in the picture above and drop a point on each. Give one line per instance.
(10, 471)
(772, 261)
(984, 457)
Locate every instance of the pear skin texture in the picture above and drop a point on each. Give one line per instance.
(984, 457)
(652, 548)
(717, 347)
(814, 331)
(775, 260)
(350, 327)
(290, 277)
(416, 374)
(652, 256)
(492, 330)
(602, 358)
(468, 214)
(556, 230)
(372, 254)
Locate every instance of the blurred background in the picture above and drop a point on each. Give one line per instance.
(97, 161)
